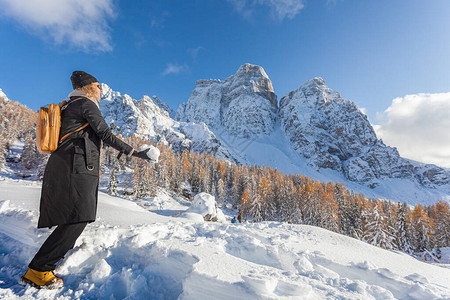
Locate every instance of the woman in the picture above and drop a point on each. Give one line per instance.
(70, 185)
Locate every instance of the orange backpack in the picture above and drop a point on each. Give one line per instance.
(48, 126)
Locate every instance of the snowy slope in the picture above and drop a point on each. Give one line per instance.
(146, 252)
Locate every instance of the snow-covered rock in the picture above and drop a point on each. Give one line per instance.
(163, 105)
(3, 95)
(244, 104)
(151, 120)
(431, 175)
(205, 205)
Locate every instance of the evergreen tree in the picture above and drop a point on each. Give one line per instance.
(104, 160)
(128, 185)
(205, 181)
(402, 230)
(245, 203)
(256, 210)
(328, 209)
(390, 212)
(234, 192)
(29, 154)
(376, 231)
(42, 163)
(220, 191)
(112, 184)
(195, 179)
(344, 207)
(355, 218)
(290, 210)
(422, 228)
(161, 169)
(263, 194)
(440, 213)
(144, 182)
(147, 185)
(136, 182)
(3, 151)
(308, 203)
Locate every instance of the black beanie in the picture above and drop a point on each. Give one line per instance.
(80, 79)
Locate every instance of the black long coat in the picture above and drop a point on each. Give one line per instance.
(70, 186)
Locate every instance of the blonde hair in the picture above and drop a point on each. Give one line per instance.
(90, 90)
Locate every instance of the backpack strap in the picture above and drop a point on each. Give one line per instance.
(76, 130)
(64, 106)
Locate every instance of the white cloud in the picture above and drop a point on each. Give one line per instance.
(418, 125)
(194, 51)
(82, 24)
(159, 21)
(281, 9)
(284, 8)
(175, 69)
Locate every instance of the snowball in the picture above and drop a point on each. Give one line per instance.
(153, 152)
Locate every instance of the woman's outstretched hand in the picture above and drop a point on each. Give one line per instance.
(150, 154)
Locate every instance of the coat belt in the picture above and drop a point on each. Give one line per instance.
(87, 147)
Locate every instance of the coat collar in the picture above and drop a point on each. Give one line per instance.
(78, 93)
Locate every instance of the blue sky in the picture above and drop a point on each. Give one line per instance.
(369, 51)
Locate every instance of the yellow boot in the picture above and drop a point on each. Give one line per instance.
(46, 280)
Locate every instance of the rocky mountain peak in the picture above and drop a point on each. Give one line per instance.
(255, 79)
(244, 104)
(164, 106)
(108, 94)
(149, 108)
(316, 82)
(316, 92)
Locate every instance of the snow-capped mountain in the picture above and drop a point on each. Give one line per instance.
(148, 118)
(220, 104)
(333, 133)
(329, 134)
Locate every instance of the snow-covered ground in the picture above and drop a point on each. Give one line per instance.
(147, 250)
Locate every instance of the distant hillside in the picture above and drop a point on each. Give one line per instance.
(16, 122)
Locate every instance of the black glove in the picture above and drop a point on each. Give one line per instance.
(142, 155)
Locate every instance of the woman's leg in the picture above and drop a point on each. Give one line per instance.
(61, 240)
